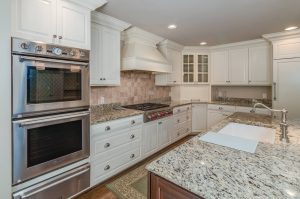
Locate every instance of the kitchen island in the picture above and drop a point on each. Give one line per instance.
(199, 169)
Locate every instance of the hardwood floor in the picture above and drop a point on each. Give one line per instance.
(101, 192)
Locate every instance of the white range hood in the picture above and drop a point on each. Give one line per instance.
(140, 52)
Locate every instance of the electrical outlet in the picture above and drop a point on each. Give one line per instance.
(101, 100)
(264, 95)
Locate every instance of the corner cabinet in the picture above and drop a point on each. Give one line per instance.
(51, 21)
(195, 69)
(105, 50)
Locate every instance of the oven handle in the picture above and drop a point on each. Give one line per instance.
(23, 58)
(29, 122)
(63, 177)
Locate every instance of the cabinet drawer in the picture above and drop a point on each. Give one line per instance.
(218, 107)
(100, 167)
(102, 144)
(251, 110)
(179, 118)
(107, 127)
(181, 109)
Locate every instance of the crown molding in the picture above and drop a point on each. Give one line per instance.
(108, 21)
(237, 44)
(90, 4)
(282, 35)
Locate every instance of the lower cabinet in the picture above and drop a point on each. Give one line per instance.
(216, 113)
(182, 118)
(159, 188)
(115, 146)
(199, 117)
(156, 135)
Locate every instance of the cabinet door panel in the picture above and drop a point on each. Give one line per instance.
(238, 66)
(95, 55)
(259, 65)
(165, 130)
(199, 118)
(150, 139)
(110, 62)
(219, 64)
(34, 20)
(73, 24)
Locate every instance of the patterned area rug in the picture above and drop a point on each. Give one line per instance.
(132, 185)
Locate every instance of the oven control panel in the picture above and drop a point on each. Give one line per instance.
(155, 115)
(21, 46)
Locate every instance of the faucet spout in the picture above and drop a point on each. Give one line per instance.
(283, 123)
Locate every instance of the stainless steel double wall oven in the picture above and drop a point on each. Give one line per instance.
(50, 108)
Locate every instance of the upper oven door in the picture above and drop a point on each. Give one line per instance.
(46, 143)
(42, 85)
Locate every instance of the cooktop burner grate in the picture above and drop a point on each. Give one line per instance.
(146, 106)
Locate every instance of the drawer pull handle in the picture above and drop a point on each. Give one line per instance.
(178, 134)
(178, 121)
(132, 156)
(132, 136)
(220, 108)
(107, 167)
(107, 128)
(178, 111)
(188, 108)
(107, 145)
(252, 111)
(187, 118)
(132, 122)
(187, 130)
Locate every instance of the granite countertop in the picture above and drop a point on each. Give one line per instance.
(232, 102)
(213, 171)
(106, 113)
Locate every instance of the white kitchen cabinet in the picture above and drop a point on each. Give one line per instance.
(34, 20)
(149, 138)
(260, 65)
(115, 146)
(285, 48)
(165, 128)
(219, 67)
(105, 50)
(238, 66)
(195, 68)
(199, 117)
(172, 52)
(182, 117)
(73, 25)
(252, 110)
(52, 21)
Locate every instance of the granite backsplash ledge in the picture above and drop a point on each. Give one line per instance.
(136, 87)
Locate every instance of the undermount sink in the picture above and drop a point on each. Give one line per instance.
(260, 134)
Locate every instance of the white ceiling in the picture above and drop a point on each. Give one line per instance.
(213, 21)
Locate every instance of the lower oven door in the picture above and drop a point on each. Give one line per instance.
(47, 143)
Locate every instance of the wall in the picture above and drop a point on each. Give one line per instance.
(5, 101)
(136, 87)
(191, 92)
(252, 92)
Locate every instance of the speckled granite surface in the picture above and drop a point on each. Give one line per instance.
(212, 171)
(104, 113)
(231, 101)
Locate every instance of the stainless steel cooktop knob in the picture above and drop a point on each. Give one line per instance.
(57, 51)
(24, 46)
(82, 54)
(72, 53)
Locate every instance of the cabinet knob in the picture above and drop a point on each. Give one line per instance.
(132, 136)
(220, 108)
(54, 36)
(100, 78)
(133, 122)
(187, 118)
(178, 134)
(104, 79)
(60, 37)
(249, 81)
(178, 121)
(107, 145)
(107, 128)
(107, 167)
(252, 111)
(132, 156)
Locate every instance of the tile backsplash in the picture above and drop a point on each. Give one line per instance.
(136, 87)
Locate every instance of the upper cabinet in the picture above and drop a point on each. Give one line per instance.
(195, 68)
(105, 50)
(242, 65)
(238, 66)
(51, 21)
(173, 53)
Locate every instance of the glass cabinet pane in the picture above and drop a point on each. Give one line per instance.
(185, 78)
(185, 59)
(191, 58)
(191, 77)
(191, 68)
(185, 68)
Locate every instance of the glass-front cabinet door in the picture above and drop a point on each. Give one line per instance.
(188, 68)
(195, 68)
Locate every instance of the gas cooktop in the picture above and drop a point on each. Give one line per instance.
(153, 111)
(146, 106)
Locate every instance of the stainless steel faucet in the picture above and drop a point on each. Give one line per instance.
(283, 123)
